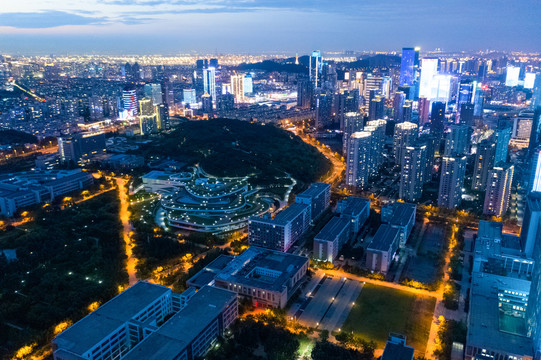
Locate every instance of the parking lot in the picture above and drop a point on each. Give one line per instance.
(328, 305)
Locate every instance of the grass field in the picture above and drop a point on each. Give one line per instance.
(380, 310)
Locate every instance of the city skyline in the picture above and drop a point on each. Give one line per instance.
(157, 26)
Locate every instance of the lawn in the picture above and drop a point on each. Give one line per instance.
(380, 310)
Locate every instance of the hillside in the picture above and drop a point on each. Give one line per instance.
(225, 147)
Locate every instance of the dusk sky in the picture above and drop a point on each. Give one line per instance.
(253, 26)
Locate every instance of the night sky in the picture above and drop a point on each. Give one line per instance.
(254, 26)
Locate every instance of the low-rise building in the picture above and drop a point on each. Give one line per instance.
(331, 238)
(269, 278)
(396, 348)
(318, 196)
(148, 322)
(381, 251)
(401, 216)
(20, 190)
(282, 231)
(356, 209)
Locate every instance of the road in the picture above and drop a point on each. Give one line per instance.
(131, 260)
(338, 165)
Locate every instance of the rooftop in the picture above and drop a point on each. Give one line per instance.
(333, 229)
(384, 238)
(87, 332)
(284, 216)
(207, 275)
(240, 270)
(183, 327)
(354, 205)
(394, 351)
(402, 213)
(314, 190)
(484, 319)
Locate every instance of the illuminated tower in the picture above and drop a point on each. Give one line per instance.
(314, 68)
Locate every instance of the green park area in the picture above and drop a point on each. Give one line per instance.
(379, 311)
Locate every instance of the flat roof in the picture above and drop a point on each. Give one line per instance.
(484, 319)
(394, 351)
(283, 217)
(240, 269)
(314, 190)
(90, 330)
(384, 237)
(402, 213)
(355, 205)
(207, 275)
(183, 327)
(333, 229)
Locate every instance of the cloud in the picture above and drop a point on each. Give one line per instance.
(47, 19)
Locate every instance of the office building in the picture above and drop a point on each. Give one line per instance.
(353, 122)
(530, 235)
(373, 85)
(329, 241)
(437, 119)
(248, 85)
(502, 136)
(318, 197)
(412, 172)
(429, 69)
(396, 348)
(500, 292)
(467, 114)
(80, 147)
(401, 216)
(535, 132)
(512, 75)
(147, 117)
(323, 107)
(407, 111)
(206, 104)
(282, 231)
(209, 82)
(498, 190)
(149, 322)
(129, 100)
(188, 96)
(381, 251)
(305, 93)
(268, 278)
(356, 210)
(237, 87)
(398, 106)
(315, 68)
(407, 66)
(154, 92)
(453, 171)
(377, 128)
(484, 161)
(424, 107)
(405, 134)
(376, 110)
(24, 189)
(457, 140)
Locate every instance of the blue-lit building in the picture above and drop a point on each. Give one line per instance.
(331, 238)
(407, 65)
(401, 216)
(356, 210)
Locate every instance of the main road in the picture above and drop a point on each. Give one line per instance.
(124, 215)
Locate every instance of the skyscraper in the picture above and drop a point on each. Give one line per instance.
(209, 82)
(189, 97)
(466, 114)
(535, 133)
(323, 109)
(376, 109)
(147, 116)
(237, 87)
(305, 93)
(353, 122)
(154, 91)
(405, 134)
(484, 161)
(407, 111)
(314, 68)
(437, 119)
(359, 159)
(498, 190)
(398, 104)
(377, 127)
(424, 107)
(511, 76)
(129, 98)
(248, 84)
(412, 171)
(407, 67)
(502, 136)
(457, 141)
(453, 170)
(206, 104)
(429, 69)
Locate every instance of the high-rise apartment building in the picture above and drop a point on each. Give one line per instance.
(412, 172)
(453, 171)
(498, 189)
(405, 134)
